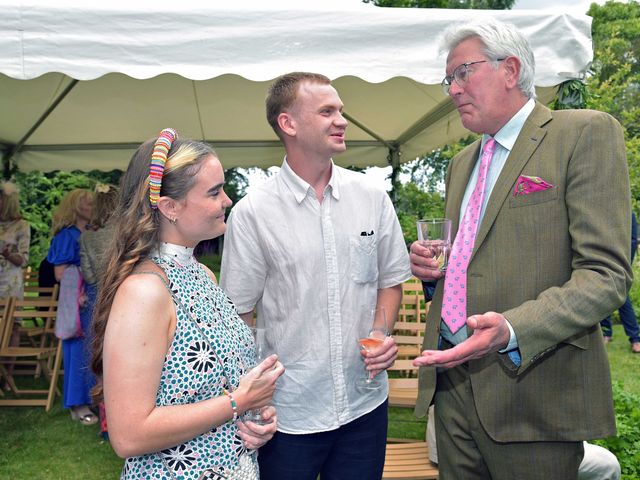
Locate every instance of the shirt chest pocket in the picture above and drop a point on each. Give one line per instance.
(363, 253)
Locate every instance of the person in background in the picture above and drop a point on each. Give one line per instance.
(314, 249)
(93, 245)
(172, 356)
(15, 237)
(627, 313)
(70, 220)
(513, 354)
(94, 242)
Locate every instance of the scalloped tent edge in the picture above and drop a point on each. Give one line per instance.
(81, 86)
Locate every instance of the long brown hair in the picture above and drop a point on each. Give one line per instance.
(136, 229)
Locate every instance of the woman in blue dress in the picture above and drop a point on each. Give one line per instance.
(173, 358)
(70, 219)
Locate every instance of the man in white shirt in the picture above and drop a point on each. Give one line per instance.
(313, 251)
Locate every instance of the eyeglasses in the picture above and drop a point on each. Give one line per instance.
(461, 74)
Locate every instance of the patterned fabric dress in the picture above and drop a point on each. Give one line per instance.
(16, 234)
(192, 373)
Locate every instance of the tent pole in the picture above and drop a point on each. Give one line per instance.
(6, 158)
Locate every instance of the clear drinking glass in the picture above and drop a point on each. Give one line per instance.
(260, 339)
(435, 235)
(370, 337)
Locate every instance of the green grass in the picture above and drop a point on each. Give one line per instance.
(624, 364)
(49, 446)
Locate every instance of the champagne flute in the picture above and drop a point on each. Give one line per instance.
(370, 337)
(260, 341)
(435, 235)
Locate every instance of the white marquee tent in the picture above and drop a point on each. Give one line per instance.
(82, 84)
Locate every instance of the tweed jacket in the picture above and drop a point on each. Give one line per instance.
(554, 263)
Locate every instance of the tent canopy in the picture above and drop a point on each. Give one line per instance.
(81, 85)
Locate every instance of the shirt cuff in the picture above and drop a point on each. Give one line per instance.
(513, 341)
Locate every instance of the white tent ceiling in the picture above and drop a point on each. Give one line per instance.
(81, 85)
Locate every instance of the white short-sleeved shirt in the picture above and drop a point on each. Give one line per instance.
(313, 270)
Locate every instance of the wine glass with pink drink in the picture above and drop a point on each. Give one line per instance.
(370, 337)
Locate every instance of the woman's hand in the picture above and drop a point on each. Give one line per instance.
(253, 435)
(10, 252)
(257, 386)
(83, 299)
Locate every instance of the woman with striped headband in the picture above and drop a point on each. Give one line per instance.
(171, 354)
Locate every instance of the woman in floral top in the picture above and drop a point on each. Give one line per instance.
(173, 357)
(15, 236)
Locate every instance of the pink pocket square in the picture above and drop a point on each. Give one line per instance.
(527, 184)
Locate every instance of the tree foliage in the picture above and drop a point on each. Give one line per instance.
(614, 85)
(413, 204)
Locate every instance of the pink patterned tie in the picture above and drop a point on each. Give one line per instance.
(454, 303)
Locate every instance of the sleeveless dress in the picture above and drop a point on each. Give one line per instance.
(192, 372)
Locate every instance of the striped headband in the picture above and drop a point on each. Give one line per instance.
(158, 160)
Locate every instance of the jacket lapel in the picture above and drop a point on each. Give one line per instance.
(528, 141)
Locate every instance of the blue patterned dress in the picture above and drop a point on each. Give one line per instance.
(192, 373)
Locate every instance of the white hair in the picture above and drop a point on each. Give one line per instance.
(500, 40)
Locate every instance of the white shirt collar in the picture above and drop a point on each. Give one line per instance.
(508, 134)
(301, 188)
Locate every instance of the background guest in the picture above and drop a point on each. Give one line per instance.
(627, 313)
(70, 220)
(93, 245)
(15, 236)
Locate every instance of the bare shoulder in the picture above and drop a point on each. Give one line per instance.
(145, 286)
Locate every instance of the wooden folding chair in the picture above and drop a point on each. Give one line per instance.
(409, 328)
(403, 384)
(31, 291)
(30, 277)
(39, 331)
(22, 311)
(408, 337)
(4, 312)
(408, 461)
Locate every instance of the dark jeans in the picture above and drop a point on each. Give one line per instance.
(629, 322)
(353, 451)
